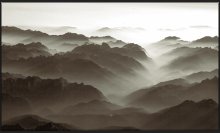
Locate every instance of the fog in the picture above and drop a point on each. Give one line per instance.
(80, 81)
(130, 22)
(133, 66)
(131, 34)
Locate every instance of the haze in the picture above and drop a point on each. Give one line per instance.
(157, 19)
(109, 66)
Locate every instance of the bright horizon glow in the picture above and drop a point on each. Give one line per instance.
(189, 21)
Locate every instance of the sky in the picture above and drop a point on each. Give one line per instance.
(186, 20)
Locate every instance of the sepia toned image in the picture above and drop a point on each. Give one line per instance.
(109, 66)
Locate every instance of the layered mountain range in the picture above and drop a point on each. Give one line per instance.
(98, 65)
(59, 42)
(74, 82)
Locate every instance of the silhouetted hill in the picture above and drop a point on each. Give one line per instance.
(110, 58)
(15, 35)
(73, 36)
(107, 39)
(183, 51)
(124, 62)
(166, 45)
(199, 76)
(52, 41)
(72, 68)
(171, 38)
(208, 88)
(186, 115)
(26, 121)
(101, 39)
(179, 81)
(98, 65)
(206, 41)
(66, 77)
(50, 93)
(156, 98)
(104, 29)
(189, 60)
(34, 123)
(17, 51)
(132, 50)
(7, 30)
(118, 60)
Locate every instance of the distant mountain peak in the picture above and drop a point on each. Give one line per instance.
(70, 35)
(25, 51)
(18, 31)
(187, 102)
(207, 102)
(19, 44)
(207, 39)
(104, 29)
(101, 37)
(171, 38)
(133, 46)
(32, 45)
(36, 32)
(210, 80)
(10, 28)
(37, 44)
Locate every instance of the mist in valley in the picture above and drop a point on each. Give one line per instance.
(109, 76)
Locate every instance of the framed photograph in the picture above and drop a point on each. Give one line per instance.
(110, 66)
